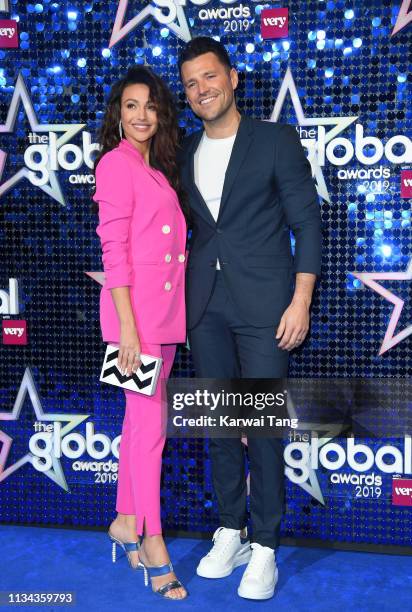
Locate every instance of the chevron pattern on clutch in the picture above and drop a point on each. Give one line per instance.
(141, 384)
(144, 380)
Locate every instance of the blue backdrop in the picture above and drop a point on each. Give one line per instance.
(342, 76)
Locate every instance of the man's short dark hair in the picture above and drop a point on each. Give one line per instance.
(201, 45)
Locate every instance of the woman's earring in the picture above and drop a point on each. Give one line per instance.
(120, 129)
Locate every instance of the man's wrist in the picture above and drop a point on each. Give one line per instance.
(301, 300)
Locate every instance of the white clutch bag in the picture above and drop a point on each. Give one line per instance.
(144, 380)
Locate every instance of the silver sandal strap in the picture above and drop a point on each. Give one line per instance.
(131, 546)
(174, 584)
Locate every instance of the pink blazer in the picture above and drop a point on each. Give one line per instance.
(143, 236)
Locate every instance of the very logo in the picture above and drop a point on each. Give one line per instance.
(406, 184)
(14, 331)
(8, 34)
(274, 23)
(277, 22)
(402, 491)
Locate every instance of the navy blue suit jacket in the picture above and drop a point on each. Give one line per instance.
(268, 190)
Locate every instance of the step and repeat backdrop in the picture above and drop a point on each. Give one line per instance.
(339, 71)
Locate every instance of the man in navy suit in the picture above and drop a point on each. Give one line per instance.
(249, 183)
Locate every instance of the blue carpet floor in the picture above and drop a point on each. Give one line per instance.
(48, 560)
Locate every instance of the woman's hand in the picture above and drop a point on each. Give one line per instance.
(129, 349)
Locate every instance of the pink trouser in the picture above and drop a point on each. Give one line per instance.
(141, 446)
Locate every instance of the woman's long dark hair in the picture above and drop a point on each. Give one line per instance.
(164, 144)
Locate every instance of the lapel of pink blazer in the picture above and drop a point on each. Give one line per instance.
(155, 174)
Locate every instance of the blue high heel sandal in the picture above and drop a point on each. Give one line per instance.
(127, 547)
(152, 572)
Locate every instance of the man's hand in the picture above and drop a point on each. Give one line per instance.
(294, 325)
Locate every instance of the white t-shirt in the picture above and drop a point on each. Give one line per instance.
(211, 161)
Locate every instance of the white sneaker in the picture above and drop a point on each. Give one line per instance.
(261, 575)
(229, 551)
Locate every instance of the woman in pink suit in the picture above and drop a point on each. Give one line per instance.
(142, 230)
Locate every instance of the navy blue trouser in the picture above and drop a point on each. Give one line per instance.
(224, 346)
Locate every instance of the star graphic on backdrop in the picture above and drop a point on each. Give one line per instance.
(404, 17)
(55, 473)
(175, 20)
(21, 95)
(369, 279)
(99, 277)
(330, 431)
(339, 123)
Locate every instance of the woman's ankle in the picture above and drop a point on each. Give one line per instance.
(155, 538)
(128, 520)
(125, 528)
(154, 548)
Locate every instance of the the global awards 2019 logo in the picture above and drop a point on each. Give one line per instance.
(53, 439)
(49, 150)
(171, 14)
